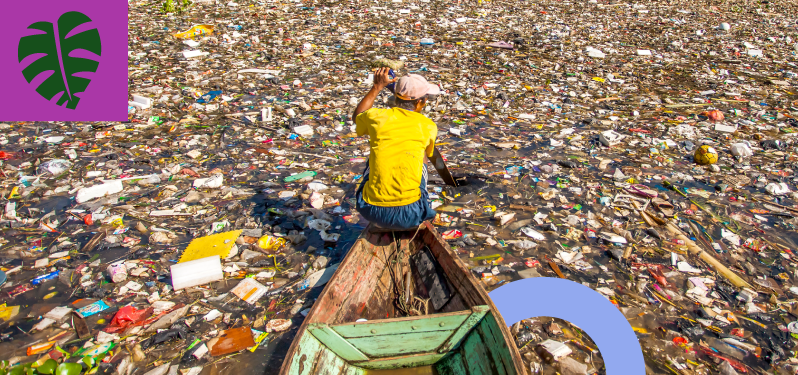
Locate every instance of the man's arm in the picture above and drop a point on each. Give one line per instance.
(367, 102)
(433, 134)
(381, 80)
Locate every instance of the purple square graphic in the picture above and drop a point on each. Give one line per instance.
(105, 98)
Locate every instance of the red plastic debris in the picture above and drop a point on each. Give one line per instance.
(126, 317)
(8, 155)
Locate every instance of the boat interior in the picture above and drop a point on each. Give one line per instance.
(401, 300)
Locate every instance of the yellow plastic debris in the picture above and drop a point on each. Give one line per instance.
(14, 193)
(195, 30)
(8, 312)
(215, 244)
(268, 242)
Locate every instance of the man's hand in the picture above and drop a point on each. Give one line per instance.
(382, 79)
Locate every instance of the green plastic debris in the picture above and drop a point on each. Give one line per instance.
(300, 176)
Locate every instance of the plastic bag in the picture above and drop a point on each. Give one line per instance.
(54, 167)
(741, 150)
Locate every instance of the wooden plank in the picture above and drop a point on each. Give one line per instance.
(476, 359)
(341, 284)
(492, 335)
(336, 343)
(353, 370)
(494, 348)
(380, 305)
(324, 304)
(377, 306)
(452, 365)
(355, 300)
(329, 363)
(426, 323)
(519, 366)
(406, 343)
(415, 360)
(477, 312)
(305, 357)
(354, 303)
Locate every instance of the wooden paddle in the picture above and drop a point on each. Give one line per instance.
(437, 161)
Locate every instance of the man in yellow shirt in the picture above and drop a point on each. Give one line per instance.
(393, 194)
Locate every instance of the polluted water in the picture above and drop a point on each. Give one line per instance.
(643, 149)
(553, 345)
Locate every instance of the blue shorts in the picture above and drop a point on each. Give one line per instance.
(409, 216)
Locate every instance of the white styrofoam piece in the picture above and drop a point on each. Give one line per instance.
(97, 191)
(143, 101)
(58, 314)
(556, 349)
(196, 272)
(303, 130)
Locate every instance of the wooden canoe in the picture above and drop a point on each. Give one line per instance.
(448, 326)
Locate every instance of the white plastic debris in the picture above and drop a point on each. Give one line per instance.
(212, 315)
(741, 149)
(55, 167)
(777, 188)
(196, 272)
(303, 130)
(59, 314)
(277, 325)
(504, 217)
(98, 191)
(249, 290)
(592, 52)
(43, 324)
(316, 186)
(140, 102)
(533, 234)
(329, 237)
(725, 128)
(316, 200)
(612, 237)
(556, 349)
(193, 53)
(686, 267)
(610, 138)
(319, 225)
(214, 182)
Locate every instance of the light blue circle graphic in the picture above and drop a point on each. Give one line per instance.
(580, 305)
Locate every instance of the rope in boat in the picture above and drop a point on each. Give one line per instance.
(418, 306)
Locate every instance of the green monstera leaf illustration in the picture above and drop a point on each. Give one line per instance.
(58, 51)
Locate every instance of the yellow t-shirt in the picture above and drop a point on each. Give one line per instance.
(399, 139)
